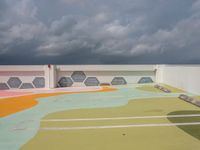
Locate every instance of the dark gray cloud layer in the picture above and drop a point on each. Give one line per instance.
(99, 31)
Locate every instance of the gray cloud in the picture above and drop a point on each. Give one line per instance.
(94, 31)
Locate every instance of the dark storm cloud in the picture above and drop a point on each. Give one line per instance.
(99, 31)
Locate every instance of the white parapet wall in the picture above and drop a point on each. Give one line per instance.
(23, 77)
(83, 75)
(186, 77)
(51, 76)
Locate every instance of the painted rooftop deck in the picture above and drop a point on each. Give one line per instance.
(87, 118)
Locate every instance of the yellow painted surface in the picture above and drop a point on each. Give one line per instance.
(173, 89)
(151, 88)
(141, 107)
(153, 138)
(141, 138)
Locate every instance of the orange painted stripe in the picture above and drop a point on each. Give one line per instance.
(12, 105)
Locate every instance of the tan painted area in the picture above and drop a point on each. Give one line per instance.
(141, 138)
(151, 88)
(173, 89)
(12, 105)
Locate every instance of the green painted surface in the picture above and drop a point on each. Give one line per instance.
(140, 107)
(155, 138)
(142, 138)
(151, 88)
(192, 130)
(173, 89)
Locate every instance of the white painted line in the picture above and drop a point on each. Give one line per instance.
(120, 126)
(120, 118)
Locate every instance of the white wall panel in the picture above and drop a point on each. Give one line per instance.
(186, 77)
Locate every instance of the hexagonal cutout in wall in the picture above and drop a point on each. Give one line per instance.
(4, 86)
(26, 86)
(145, 80)
(118, 81)
(65, 82)
(78, 76)
(91, 81)
(14, 82)
(39, 82)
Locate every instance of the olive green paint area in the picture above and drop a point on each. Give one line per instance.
(141, 138)
(192, 130)
(155, 138)
(138, 107)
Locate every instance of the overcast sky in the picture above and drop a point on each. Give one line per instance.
(99, 31)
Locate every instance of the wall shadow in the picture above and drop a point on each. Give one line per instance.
(193, 130)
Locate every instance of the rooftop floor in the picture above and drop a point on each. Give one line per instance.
(87, 118)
